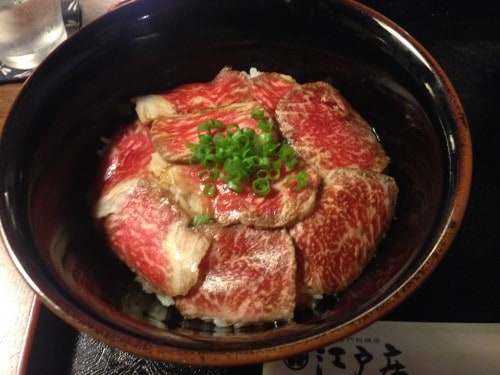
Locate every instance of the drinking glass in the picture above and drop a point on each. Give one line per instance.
(29, 31)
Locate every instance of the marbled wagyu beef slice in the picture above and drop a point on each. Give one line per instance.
(170, 134)
(282, 207)
(268, 88)
(144, 228)
(228, 87)
(335, 243)
(247, 276)
(326, 131)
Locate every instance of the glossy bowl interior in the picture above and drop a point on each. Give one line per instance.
(81, 93)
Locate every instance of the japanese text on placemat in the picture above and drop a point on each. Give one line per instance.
(353, 355)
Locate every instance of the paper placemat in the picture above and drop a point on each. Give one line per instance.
(403, 348)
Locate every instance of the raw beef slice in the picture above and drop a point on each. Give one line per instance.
(151, 236)
(281, 207)
(146, 231)
(326, 131)
(247, 276)
(269, 88)
(229, 86)
(334, 244)
(127, 156)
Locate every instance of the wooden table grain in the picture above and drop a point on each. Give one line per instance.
(18, 299)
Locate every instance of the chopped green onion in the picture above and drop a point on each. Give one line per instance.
(201, 219)
(235, 186)
(267, 139)
(269, 148)
(209, 190)
(274, 174)
(265, 126)
(218, 139)
(250, 133)
(287, 156)
(240, 139)
(251, 161)
(261, 186)
(208, 175)
(231, 129)
(263, 173)
(257, 114)
(206, 127)
(205, 139)
(239, 156)
(298, 181)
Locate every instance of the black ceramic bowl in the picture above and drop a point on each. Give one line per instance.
(48, 158)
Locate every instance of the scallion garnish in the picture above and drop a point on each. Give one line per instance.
(201, 220)
(209, 190)
(298, 181)
(261, 186)
(243, 155)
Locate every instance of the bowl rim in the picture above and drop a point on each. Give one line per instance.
(454, 213)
